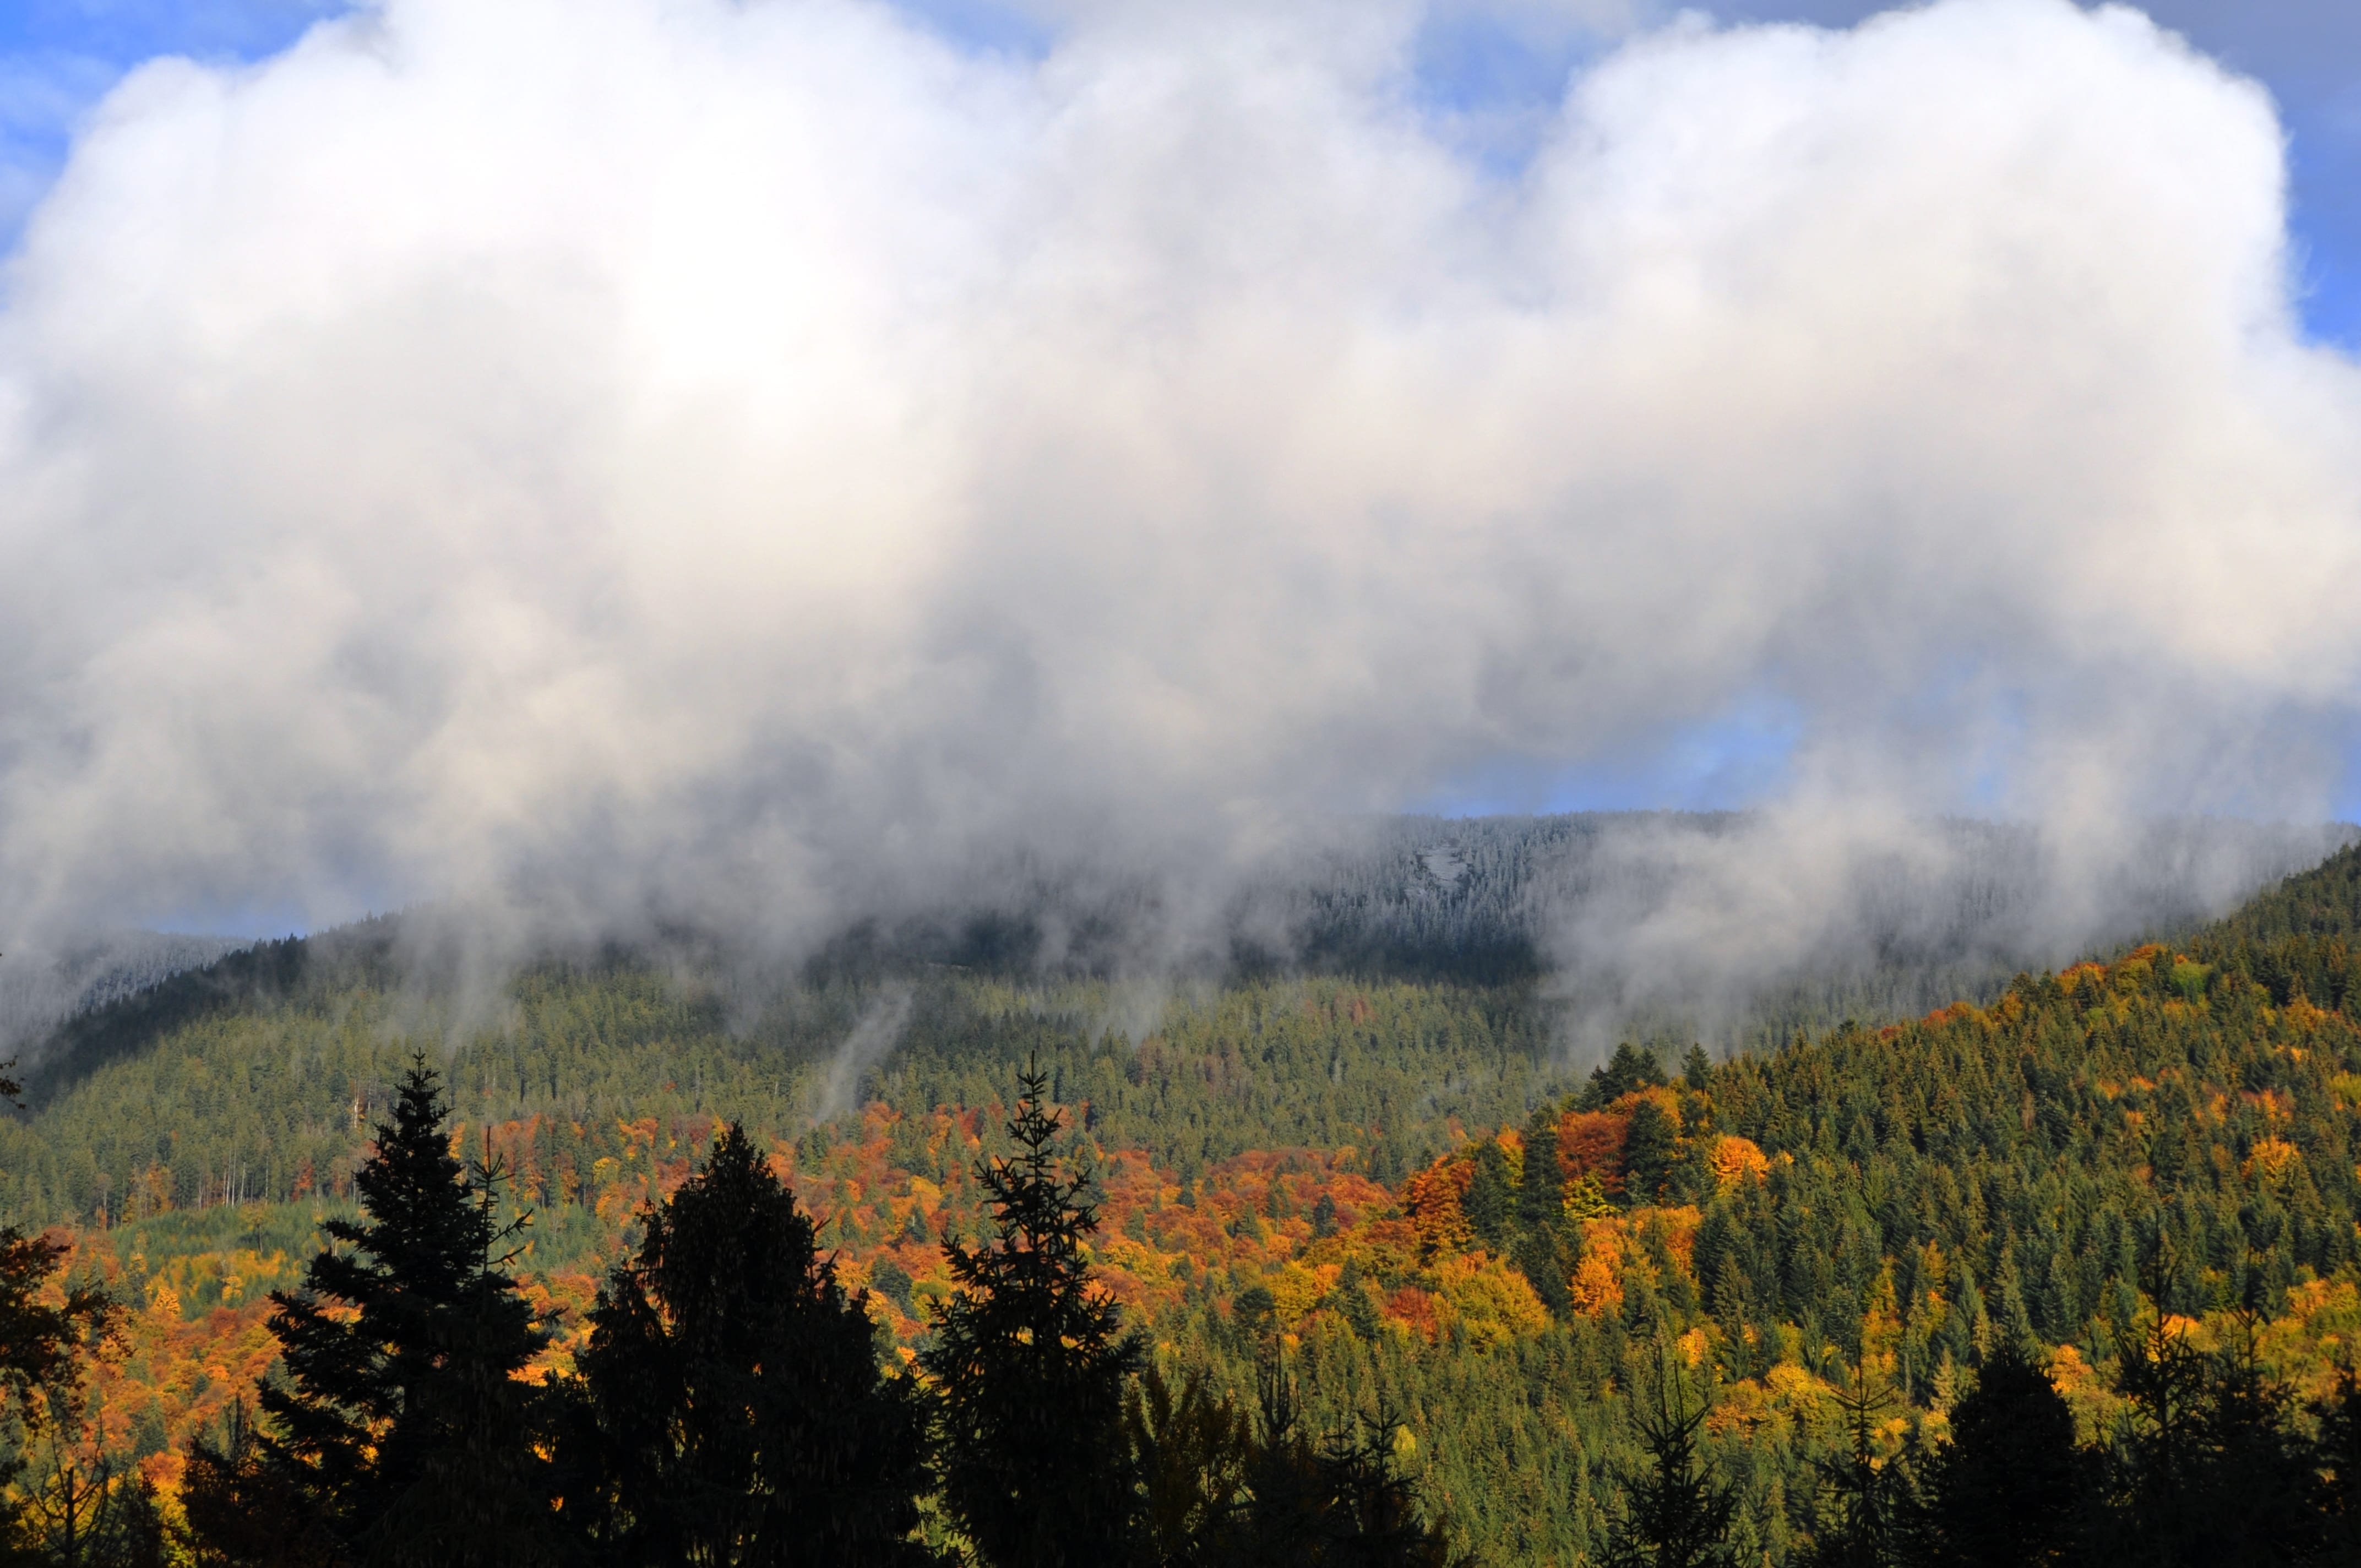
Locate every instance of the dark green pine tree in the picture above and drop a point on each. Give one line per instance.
(1629, 1069)
(2010, 1487)
(1542, 1249)
(1650, 1150)
(1675, 1513)
(730, 1407)
(1491, 1203)
(2160, 1464)
(402, 1431)
(1029, 1364)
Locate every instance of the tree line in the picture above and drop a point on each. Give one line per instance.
(730, 1405)
(2211, 1465)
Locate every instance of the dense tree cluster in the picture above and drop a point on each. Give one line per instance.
(730, 1406)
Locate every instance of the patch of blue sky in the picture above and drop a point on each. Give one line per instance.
(1490, 84)
(1738, 758)
(59, 57)
(2325, 222)
(983, 27)
(243, 921)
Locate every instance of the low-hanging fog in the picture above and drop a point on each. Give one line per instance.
(620, 465)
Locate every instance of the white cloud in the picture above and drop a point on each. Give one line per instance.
(627, 455)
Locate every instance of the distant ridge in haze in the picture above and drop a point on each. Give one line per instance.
(40, 991)
(1730, 927)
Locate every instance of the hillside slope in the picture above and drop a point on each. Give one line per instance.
(1387, 1182)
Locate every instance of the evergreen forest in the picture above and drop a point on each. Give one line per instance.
(931, 1255)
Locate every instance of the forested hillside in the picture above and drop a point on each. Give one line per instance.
(1387, 1190)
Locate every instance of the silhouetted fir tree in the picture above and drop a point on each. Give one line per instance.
(730, 1409)
(2011, 1488)
(1697, 1071)
(1675, 1513)
(1029, 1367)
(1341, 1500)
(2262, 1479)
(244, 1511)
(2337, 1455)
(402, 1428)
(2209, 1469)
(2157, 1465)
(1374, 1518)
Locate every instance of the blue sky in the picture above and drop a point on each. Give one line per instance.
(59, 57)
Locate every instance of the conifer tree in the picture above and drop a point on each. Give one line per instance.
(1341, 1501)
(2337, 1455)
(2209, 1469)
(245, 1511)
(1030, 1363)
(1629, 1069)
(2263, 1480)
(1675, 1513)
(1491, 1203)
(1541, 1252)
(1868, 1528)
(730, 1406)
(2010, 1489)
(1649, 1151)
(42, 1344)
(1190, 1449)
(402, 1432)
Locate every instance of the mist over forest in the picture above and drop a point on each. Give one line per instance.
(1735, 929)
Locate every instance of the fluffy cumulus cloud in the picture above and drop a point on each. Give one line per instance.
(631, 459)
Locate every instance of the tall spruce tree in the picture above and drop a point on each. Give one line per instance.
(402, 1431)
(730, 1406)
(1030, 1363)
(2011, 1488)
